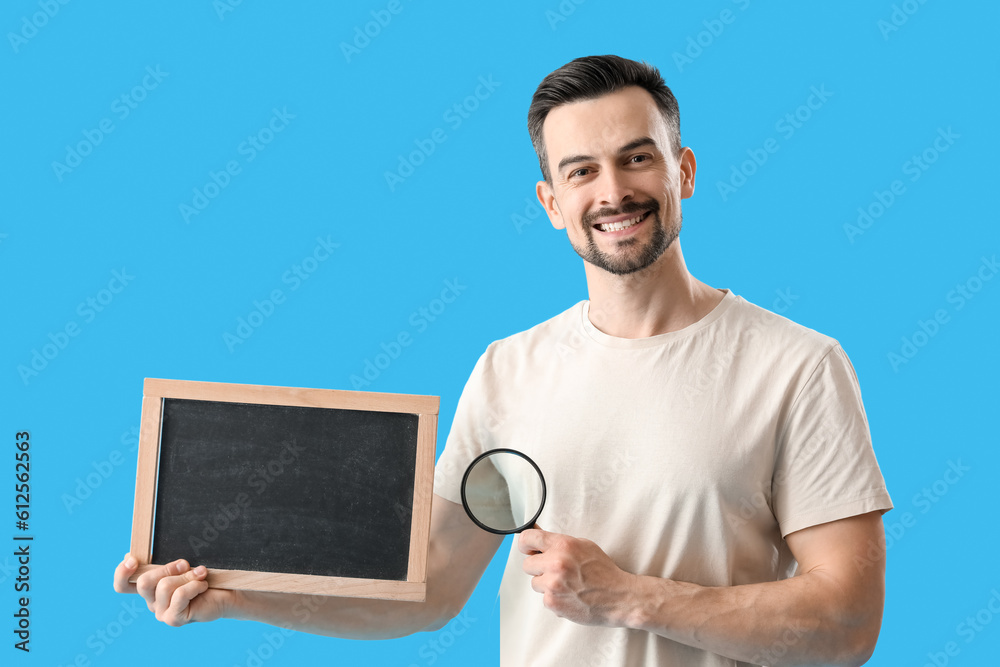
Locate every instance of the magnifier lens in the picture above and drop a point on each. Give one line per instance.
(503, 491)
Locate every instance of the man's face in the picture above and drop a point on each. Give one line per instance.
(616, 182)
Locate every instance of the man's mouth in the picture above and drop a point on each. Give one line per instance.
(621, 224)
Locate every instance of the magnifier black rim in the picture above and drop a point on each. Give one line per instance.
(465, 502)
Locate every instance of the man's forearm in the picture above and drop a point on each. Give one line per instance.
(804, 620)
(448, 588)
(348, 618)
(830, 614)
(457, 555)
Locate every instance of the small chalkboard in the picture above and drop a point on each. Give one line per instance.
(286, 489)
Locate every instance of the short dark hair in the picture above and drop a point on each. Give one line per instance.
(591, 77)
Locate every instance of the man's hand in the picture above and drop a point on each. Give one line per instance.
(577, 580)
(457, 555)
(832, 607)
(175, 593)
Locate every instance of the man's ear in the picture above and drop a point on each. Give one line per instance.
(688, 167)
(548, 201)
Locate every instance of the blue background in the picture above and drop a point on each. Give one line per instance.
(465, 214)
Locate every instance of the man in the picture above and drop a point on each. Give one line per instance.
(713, 494)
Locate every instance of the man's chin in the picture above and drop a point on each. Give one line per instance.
(617, 265)
(628, 260)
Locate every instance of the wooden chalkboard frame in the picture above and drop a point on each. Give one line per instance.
(425, 407)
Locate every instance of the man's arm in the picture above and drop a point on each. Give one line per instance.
(458, 554)
(830, 613)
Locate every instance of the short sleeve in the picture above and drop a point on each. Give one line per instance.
(825, 467)
(470, 435)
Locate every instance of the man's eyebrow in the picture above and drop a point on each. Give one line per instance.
(571, 159)
(630, 146)
(638, 143)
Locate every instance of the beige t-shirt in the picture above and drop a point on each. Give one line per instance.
(687, 455)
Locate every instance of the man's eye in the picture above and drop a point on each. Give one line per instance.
(580, 172)
(640, 158)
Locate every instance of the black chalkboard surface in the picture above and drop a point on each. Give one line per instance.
(273, 488)
(309, 490)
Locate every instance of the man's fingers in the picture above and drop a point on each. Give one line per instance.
(177, 612)
(125, 570)
(534, 540)
(166, 587)
(534, 565)
(147, 582)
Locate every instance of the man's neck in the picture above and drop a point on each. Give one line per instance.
(661, 298)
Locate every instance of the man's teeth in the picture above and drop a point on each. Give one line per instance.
(618, 226)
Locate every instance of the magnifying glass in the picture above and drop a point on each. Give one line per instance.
(503, 491)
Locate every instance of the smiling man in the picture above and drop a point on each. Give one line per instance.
(713, 494)
(714, 498)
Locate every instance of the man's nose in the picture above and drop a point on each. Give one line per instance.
(614, 187)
